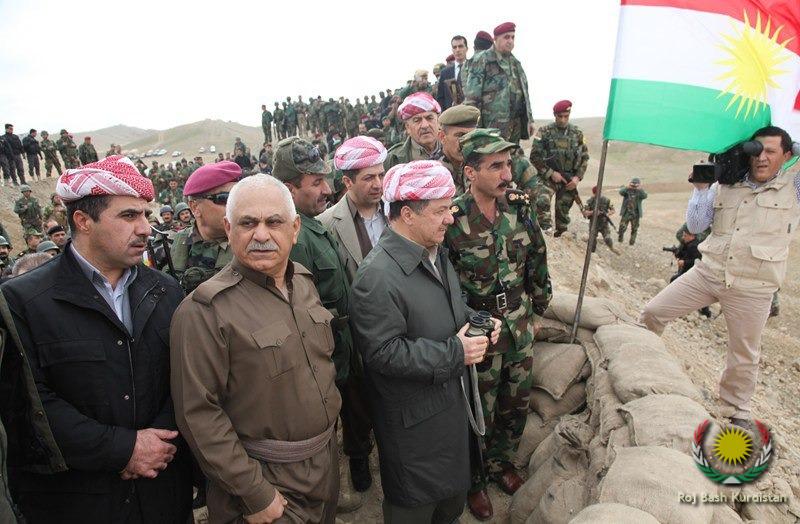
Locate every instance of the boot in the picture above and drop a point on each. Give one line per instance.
(620, 237)
(610, 244)
(632, 240)
(706, 312)
(349, 499)
(480, 505)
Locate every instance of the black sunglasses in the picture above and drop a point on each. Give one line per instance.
(220, 198)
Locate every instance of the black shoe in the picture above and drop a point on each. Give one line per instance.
(706, 312)
(360, 474)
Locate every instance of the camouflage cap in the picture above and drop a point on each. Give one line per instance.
(47, 245)
(24, 187)
(460, 115)
(4, 242)
(32, 232)
(295, 157)
(484, 142)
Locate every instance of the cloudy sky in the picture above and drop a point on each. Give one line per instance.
(89, 64)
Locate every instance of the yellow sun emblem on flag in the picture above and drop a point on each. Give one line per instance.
(733, 445)
(753, 56)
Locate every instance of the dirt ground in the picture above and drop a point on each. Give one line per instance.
(632, 278)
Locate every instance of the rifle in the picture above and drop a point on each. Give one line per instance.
(167, 253)
(671, 249)
(567, 176)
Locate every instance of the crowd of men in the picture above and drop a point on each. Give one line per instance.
(365, 289)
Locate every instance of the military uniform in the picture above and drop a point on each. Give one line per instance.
(502, 267)
(196, 260)
(170, 197)
(563, 150)
(497, 85)
(302, 117)
(50, 157)
(87, 153)
(407, 151)
(631, 211)
(29, 212)
(278, 116)
(266, 125)
(290, 120)
(603, 222)
(69, 151)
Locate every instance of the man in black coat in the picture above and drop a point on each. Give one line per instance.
(450, 78)
(93, 324)
(410, 322)
(34, 152)
(14, 152)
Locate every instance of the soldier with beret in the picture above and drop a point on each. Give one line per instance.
(497, 85)
(201, 250)
(500, 256)
(456, 122)
(560, 155)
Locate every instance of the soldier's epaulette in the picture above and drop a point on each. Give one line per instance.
(456, 211)
(515, 197)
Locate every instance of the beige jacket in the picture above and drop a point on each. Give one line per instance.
(751, 232)
(248, 364)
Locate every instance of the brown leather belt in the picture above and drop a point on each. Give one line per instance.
(285, 451)
(506, 301)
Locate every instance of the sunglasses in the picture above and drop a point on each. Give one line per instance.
(219, 199)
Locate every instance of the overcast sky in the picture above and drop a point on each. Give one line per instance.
(90, 64)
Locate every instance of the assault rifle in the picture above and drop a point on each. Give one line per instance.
(567, 176)
(671, 249)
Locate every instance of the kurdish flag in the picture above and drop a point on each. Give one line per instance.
(704, 74)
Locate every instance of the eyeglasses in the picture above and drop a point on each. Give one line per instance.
(219, 199)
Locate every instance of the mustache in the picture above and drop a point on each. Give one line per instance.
(262, 246)
(140, 241)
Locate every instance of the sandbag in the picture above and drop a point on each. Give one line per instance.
(543, 452)
(651, 478)
(637, 371)
(549, 408)
(610, 417)
(535, 432)
(561, 501)
(595, 312)
(663, 420)
(556, 366)
(610, 338)
(613, 513)
(548, 328)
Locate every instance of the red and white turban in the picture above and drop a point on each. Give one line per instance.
(115, 175)
(416, 103)
(359, 152)
(417, 180)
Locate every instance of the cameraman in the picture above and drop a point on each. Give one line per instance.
(744, 262)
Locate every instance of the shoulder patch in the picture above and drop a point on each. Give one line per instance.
(515, 197)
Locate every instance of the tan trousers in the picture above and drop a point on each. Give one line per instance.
(745, 311)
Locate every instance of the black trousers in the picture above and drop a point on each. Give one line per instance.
(33, 165)
(356, 419)
(441, 512)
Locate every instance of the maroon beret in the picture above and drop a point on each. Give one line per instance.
(562, 106)
(483, 35)
(505, 27)
(209, 176)
(450, 58)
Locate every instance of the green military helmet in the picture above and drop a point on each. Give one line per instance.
(24, 187)
(484, 142)
(294, 157)
(47, 245)
(4, 242)
(165, 209)
(180, 207)
(635, 181)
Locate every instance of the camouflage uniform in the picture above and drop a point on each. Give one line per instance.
(506, 257)
(170, 197)
(279, 116)
(50, 157)
(631, 211)
(196, 260)
(497, 85)
(69, 151)
(302, 117)
(352, 119)
(408, 150)
(29, 212)
(603, 226)
(266, 125)
(290, 119)
(565, 151)
(313, 116)
(87, 153)
(57, 212)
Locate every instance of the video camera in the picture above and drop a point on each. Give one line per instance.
(729, 167)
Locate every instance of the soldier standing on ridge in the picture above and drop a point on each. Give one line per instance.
(266, 123)
(50, 157)
(69, 151)
(34, 153)
(86, 152)
(604, 209)
(632, 197)
(278, 116)
(14, 152)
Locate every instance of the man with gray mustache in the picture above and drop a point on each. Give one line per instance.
(252, 378)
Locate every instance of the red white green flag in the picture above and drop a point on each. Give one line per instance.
(704, 74)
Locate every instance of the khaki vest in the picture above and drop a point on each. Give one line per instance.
(751, 232)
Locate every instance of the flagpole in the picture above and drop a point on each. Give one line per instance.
(592, 238)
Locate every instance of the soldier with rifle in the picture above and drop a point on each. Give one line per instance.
(561, 157)
(686, 254)
(604, 223)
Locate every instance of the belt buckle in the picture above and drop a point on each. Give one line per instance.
(501, 301)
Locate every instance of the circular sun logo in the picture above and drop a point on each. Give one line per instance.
(733, 446)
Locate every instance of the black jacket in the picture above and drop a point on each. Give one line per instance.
(98, 384)
(31, 145)
(15, 143)
(443, 94)
(405, 320)
(5, 147)
(689, 254)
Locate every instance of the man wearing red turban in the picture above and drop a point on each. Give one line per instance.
(420, 115)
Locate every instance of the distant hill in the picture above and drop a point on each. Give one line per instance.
(655, 165)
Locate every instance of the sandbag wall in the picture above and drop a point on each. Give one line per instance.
(609, 435)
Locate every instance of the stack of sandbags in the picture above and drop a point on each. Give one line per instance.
(595, 312)
(559, 380)
(558, 472)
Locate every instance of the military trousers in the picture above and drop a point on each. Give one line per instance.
(302, 125)
(504, 381)
(745, 311)
(626, 219)
(604, 229)
(267, 133)
(33, 166)
(16, 169)
(5, 165)
(291, 129)
(49, 163)
(564, 199)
